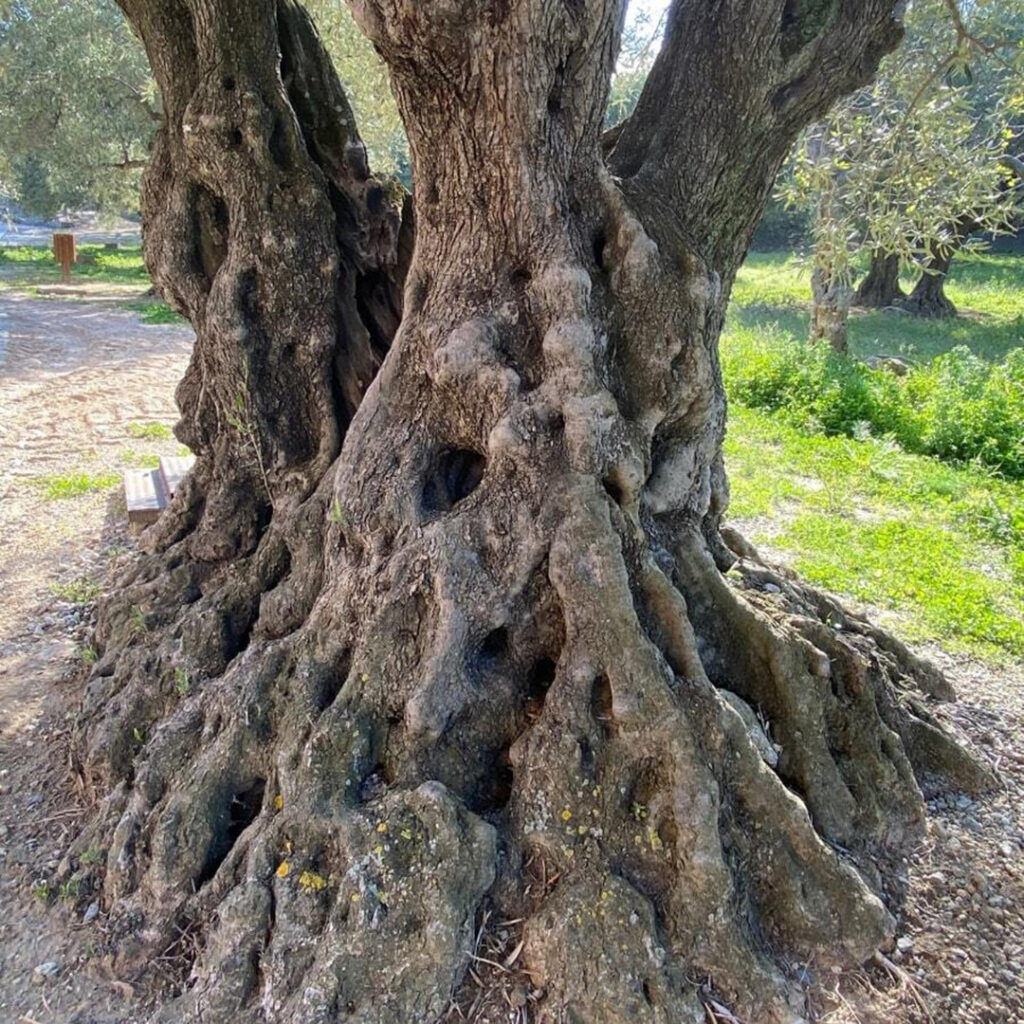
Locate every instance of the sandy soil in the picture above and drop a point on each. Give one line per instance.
(74, 377)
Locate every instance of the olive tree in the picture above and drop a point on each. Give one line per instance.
(446, 617)
(903, 172)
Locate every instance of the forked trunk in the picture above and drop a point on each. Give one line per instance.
(830, 310)
(491, 657)
(881, 285)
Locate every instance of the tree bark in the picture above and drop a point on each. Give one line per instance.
(881, 285)
(488, 653)
(830, 310)
(928, 297)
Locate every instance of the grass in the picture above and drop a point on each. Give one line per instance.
(151, 431)
(774, 289)
(28, 265)
(939, 546)
(77, 591)
(155, 312)
(942, 545)
(74, 485)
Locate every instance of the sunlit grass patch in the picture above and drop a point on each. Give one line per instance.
(151, 431)
(155, 313)
(77, 591)
(940, 544)
(35, 265)
(74, 485)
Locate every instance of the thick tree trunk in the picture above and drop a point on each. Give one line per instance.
(830, 310)
(490, 652)
(928, 297)
(881, 285)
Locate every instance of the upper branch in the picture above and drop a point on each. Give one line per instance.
(730, 90)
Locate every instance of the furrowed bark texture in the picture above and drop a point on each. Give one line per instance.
(881, 285)
(492, 655)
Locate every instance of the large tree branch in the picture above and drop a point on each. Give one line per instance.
(730, 90)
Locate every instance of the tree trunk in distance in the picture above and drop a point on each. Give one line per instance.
(830, 310)
(881, 285)
(928, 297)
(456, 641)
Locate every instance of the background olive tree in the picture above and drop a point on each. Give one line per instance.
(916, 164)
(78, 106)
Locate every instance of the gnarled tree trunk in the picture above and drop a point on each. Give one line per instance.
(881, 285)
(928, 297)
(488, 651)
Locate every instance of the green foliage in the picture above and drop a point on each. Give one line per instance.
(896, 165)
(959, 408)
(74, 485)
(77, 105)
(78, 591)
(151, 431)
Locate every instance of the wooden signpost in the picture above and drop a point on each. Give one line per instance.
(64, 253)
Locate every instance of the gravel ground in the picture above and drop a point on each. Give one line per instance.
(73, 376)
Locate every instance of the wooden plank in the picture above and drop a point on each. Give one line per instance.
(172, 471)
(144, 495)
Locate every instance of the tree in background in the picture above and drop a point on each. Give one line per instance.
(78, 106)
(449, 587)
(897, 167)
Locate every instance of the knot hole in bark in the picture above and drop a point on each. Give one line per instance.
(452, 477)
(555, 95)
(601, 706)
(237, 813)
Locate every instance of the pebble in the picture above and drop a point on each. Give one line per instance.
(45, 971)
(91, 913)
(905, 944)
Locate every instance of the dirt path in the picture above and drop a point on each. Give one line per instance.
(78, 383)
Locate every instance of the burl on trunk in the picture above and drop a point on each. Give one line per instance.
(466, 631)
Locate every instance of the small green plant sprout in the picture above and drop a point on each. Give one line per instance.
(336, 513)
(70, 889)
(182, 683)
(241, 420)
(78, 591)
(639, 811)
(93, 856)
(88, 654)
(138, 735)
(150, 431)
(42, 890)
(137, 620)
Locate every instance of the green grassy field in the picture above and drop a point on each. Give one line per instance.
(939, 545)
(25, 268)
(775, 289)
